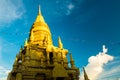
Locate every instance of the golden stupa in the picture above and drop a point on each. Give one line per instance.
(39, 59)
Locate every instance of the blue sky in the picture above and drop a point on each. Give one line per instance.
(83, 25)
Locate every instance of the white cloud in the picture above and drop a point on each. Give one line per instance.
(10, 10)
(96, 64)
(69, 8)
(3, 73)
(112, 70)
(3, 78)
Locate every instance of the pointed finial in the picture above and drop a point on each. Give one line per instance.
(15, 62)
(60, 45)
(16, 59)
(39, 10)
(21, 48)
(26, 42)
(85, 74)
(72, 61)
(39, 16)
(71, 58)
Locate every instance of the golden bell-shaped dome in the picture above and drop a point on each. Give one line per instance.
(40, 33)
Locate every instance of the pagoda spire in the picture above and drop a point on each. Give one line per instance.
(39, 17)
(71, 58)
(38, 29)
(60, 45)
(39, 10)
(72, 61)
(85, 75)
(21, 49)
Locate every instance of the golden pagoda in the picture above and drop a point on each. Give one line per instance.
(39, 59)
